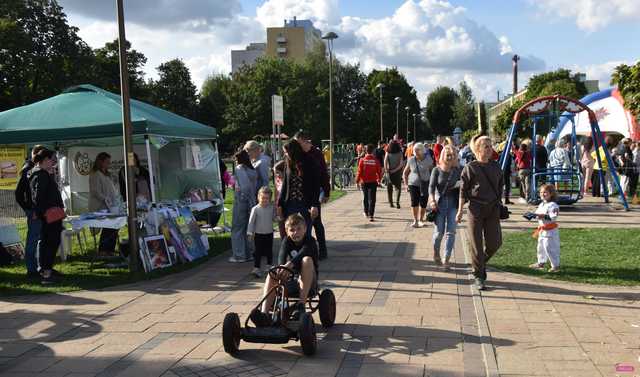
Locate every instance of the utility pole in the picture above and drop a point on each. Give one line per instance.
(129, 159)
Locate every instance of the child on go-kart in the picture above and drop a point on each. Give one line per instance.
(299, 253)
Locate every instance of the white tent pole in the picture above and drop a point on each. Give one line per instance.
(150, 163)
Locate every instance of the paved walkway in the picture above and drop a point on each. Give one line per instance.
(398, 315)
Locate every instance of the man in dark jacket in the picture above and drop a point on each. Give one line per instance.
(542, 157)
(23, 197)
(316, 155)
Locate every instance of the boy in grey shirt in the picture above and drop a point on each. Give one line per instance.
(260, 228)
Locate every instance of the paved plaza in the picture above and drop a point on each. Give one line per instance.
(398, 315)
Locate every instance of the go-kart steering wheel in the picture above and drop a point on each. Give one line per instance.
(273, 272)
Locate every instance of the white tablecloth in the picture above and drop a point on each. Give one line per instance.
(109, 222)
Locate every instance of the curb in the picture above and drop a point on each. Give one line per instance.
(490, 360)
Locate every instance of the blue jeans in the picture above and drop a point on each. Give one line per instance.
(34, 226)
(445, 224)
(241, 246)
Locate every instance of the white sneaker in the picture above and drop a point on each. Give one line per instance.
(236, 260)
(415, 224)
(256, 272)
(421, 224)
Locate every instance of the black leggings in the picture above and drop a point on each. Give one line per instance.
(48, 244)
(264, 248)
(395, 181)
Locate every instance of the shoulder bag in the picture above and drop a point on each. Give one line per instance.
(504, 210)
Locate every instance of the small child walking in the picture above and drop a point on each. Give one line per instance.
(547, 231)
(260, 229)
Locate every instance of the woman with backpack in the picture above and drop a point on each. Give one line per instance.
(393, 165)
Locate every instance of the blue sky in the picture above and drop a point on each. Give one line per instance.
(434, 42)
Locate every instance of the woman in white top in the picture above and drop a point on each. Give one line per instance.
(103, 195)
(416, 177)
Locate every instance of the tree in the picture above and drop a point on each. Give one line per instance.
(395, 85)
(627, 78)
(440, 110)
(174, 91)
(213, 101)
(464, 113)
(560, 82)
(556, 82)
(107, 70)
(40, 54)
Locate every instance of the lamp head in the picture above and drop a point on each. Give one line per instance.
(330, 36)
(380, 86)
(407, 108)
(397, 99)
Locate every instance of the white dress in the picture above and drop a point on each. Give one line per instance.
(548, 240)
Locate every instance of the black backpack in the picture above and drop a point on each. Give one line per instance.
(23, 189)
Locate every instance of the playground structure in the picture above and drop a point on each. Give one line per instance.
(568, 180)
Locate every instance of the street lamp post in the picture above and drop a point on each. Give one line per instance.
(329, 37)
(415, 134)
(397, 99)
(407, 110)
(381, 86)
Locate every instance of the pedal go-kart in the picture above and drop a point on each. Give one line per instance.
(285, 324)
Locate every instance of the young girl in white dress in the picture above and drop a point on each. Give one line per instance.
(547, 231)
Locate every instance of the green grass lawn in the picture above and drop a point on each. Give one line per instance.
(78, 275)
(594, 256)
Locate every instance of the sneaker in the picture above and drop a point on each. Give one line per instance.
(446, 265)
(51, 279)
(415, 224)
(33, 275)
(371, 219)
(437, 260)
(391, 205)
(537, 266)
(421, 224)
(249, 259)
(256, 272)
(236, 260)
(398, 205)
(479, 284)
(365, 214)
(554, 269)
(260, 319)
(507, 201)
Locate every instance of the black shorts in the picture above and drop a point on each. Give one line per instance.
(417, 198)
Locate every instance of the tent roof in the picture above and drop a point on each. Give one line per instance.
(88, 112)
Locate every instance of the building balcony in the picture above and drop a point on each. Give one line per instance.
(281, 50)
(281, 40)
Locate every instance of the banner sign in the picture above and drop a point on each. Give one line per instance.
(11, 160)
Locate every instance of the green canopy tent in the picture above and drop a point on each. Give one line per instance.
(87, 112)
(88, 117)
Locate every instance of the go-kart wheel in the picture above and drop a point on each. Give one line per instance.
(327, 308)
(231, 333)
(307, 334)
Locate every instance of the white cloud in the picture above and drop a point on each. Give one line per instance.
(431, 41)
(591, 15)
(601, 72)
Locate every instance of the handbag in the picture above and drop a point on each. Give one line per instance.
(504, 210)
(54, 214)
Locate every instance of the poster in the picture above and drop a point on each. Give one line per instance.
(157, 253)
(11, 160)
